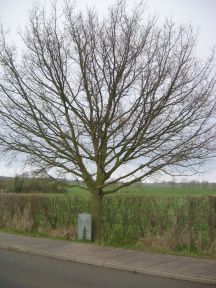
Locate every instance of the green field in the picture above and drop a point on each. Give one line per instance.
(158, 190)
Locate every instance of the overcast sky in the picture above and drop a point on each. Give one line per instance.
(200, 13)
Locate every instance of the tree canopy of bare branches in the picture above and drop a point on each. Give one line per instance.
(106, 100)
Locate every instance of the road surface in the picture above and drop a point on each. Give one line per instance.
(19, 270)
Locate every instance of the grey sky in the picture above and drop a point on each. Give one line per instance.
(199, 13)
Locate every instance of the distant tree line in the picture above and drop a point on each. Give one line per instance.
(25, 184)
(188, 183)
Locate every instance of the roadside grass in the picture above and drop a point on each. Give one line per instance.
(127, 246)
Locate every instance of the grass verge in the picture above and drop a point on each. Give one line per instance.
(127, 246)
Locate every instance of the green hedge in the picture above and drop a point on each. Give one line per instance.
(176, 223)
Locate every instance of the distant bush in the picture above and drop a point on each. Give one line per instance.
(25, 184)
(6, 184)
(37, 185)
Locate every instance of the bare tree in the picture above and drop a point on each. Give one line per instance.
(109, 100)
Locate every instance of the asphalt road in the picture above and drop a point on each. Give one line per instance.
(19, 270)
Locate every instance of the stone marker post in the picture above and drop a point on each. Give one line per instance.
(84, 230)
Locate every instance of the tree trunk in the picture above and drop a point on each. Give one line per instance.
(96, 211)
